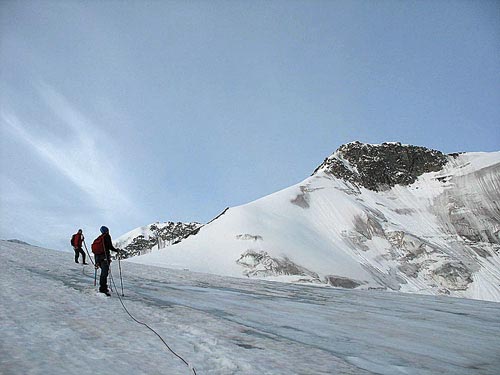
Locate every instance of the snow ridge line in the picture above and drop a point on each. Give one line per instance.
(195, 231)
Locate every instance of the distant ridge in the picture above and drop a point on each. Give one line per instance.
(19, 242)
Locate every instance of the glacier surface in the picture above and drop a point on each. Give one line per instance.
(54, 322)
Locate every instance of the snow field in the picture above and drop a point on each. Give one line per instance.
(53, 322)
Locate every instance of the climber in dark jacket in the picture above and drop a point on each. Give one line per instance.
(104, 260)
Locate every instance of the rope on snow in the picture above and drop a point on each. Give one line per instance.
(147, 326)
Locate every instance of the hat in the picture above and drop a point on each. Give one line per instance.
(104, 229)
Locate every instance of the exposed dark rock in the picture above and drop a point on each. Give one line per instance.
(162, 235)
(492, 237)
(260, 263)
(368, 227)
(342, 282)
(444, 179)
(248, 237)
(355, 240)
(404, 211)
(301, 200)
(339, 169)
(378, 167)
(412, 247)
(453, 276)
(409, 269)
(390, 279)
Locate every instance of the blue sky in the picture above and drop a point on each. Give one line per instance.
(122, 113)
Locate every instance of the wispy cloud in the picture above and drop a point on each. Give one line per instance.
(82, 152)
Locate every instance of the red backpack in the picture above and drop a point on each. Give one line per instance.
(98, 245)
(76, 240)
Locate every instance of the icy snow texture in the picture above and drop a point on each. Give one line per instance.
(54, 322)
(438, 235)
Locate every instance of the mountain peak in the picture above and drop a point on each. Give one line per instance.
(381, 166)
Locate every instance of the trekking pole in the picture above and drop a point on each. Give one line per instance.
(87, 250)
(91, 261)
(120, 267)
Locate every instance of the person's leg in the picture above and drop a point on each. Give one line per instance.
(103, 281)
(76, 255)
(83, 254)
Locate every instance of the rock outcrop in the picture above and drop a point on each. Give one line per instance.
(158, 235)
(379, 167)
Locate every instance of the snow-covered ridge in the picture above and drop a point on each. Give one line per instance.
(158, 235)
(436, 235)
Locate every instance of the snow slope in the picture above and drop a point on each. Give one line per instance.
(438, 235)
(54, 322)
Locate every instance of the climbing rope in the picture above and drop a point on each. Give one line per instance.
(128, 312)
(145, 325)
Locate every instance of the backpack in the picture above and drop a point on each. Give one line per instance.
(73, 240)
(98, 245)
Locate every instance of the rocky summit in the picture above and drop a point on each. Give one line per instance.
(379, 167)
(389, 216)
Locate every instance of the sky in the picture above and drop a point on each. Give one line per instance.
(124, 113)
